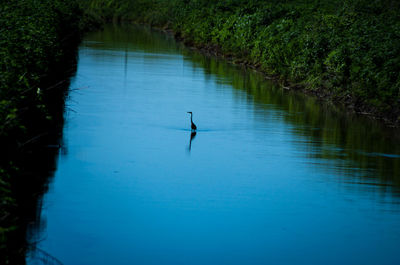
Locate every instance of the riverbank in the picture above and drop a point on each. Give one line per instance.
(38, 52)
(132, 181)
(343, 52)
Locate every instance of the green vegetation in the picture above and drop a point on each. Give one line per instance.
(349, 50)
(33, 37)
(36, 42)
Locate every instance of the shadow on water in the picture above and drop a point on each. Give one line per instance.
(342, 142)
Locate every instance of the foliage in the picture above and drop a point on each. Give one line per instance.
(35, 37)
(349, 48)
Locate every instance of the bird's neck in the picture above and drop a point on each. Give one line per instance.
(191, 118)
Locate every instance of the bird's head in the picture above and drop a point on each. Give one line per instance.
(189, 112)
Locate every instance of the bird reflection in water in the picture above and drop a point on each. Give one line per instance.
(192, 136)
(194, 128)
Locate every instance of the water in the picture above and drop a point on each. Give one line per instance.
(271, 177)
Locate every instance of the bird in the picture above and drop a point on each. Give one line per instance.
(194, 127)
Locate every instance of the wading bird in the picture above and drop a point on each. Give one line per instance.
(194, 127)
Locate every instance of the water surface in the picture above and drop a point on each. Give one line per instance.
(271, 176)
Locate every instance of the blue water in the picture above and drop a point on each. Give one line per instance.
(271, 177)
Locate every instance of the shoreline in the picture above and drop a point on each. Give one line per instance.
(351, 104)
(326, 49)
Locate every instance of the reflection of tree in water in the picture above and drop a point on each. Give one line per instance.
(146, 39)
(344, 143)
(40, 257)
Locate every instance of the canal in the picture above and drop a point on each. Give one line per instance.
(270, 177)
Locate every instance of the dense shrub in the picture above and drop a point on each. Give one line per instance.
(350, 48)
(33, 37)
(35, 40)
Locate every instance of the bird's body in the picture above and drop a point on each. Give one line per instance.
(193, 126)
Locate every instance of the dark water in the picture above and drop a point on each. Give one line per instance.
(271, 177)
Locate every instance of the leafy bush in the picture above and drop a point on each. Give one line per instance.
(347, 47)
(34, 41)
